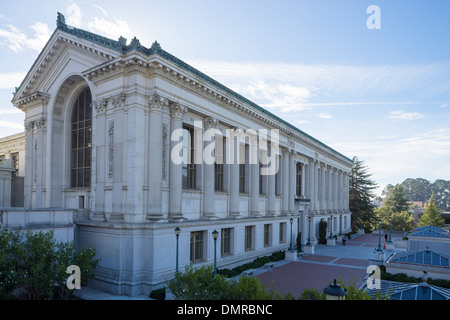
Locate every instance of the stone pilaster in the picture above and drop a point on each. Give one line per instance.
(156, 105)
(209, 175)
(285, 182)
(254, 177)
(175, 169)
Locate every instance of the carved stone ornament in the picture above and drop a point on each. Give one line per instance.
(29, 126)
(177, 110)
(40, 123)
(210, 123)
(111, 149)
(157, 103)
(100, 105)
(118, 101)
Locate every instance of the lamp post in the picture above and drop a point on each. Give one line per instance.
(379, 236)
(390, 239)
(291, 248)
(177, 234)
(215, 235)
(309, 231)
(334, 292)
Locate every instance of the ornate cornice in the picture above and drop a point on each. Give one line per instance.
(31, 99)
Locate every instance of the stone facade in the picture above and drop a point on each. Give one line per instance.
(136, 194)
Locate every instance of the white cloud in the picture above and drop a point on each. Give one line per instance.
(110, 28)
(16, 40)
(324, 115)
(9, 124)
(106, 26)
(9, 80)
(399, 114)
(73, 15)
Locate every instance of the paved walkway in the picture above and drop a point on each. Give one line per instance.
(349, 262)
(309, 271)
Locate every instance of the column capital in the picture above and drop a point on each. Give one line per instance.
(177, 110)
(210, 123)
(157, 103)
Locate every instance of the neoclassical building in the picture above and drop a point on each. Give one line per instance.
(107, 121)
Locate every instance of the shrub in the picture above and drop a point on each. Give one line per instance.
(258, 262)
(311, 294)
(35, 264)
(198, 284)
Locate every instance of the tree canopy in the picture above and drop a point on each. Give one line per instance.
(419, 189)
(432, 215)
(361, 195)
(398, 200)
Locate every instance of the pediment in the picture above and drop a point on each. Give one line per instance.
(62, 49)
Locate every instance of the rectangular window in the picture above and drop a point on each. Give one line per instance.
(189, 167)
(298, 189)
(15, 160)
(261, 181)
(242, 178)
(248, 238)
(219, 160)
(197, 246)
(226, 241)
(218, 178)
(282, 237)
(267, 234)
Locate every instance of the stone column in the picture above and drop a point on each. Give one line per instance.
(285, 181)
(323, 201)
(303, 184)
(39, 161)
(254, 177)
(156, 104)
(208, 174)
(29, 163)
(271, 192)
(316, 186)
(175, 169)
(311, 193)
(335, 190)
(292, 181)
(330, 189)
(340, 190)
(6, 168)
(233, 145)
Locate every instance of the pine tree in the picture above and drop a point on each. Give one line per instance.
(431, 215)
(361, 196)
(398, 200)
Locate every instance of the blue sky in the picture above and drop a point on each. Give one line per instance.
(380, 94)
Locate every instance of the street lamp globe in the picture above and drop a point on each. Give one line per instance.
(334, 292)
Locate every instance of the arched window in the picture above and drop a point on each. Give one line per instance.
(81, 141)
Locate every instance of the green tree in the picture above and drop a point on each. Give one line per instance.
(432, 215)
(35, 263)
(399, 200)
(361, 195)
(400, 221)
(417, 189)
